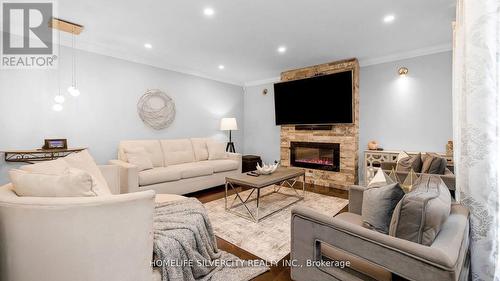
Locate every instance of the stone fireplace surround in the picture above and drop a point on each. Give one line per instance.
(346, 135)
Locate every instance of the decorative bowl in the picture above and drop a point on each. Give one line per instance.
(267, 169)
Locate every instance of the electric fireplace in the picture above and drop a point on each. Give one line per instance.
(315, 155)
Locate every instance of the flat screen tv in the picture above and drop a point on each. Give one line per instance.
(325, 99)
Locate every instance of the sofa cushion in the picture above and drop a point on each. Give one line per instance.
(71, 183)
(216, 150)
(83, 160)
(418, 217)
(177, 151)
(159, 175)
(139, 157)
(192, 170)
(200, 148)
(222, 165)
(378, 205)
(153, 148)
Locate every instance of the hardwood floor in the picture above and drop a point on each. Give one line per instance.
(278, 272)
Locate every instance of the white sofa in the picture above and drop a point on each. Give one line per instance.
(180, 166)
(78, 238)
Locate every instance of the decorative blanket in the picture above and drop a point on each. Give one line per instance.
(186, 248)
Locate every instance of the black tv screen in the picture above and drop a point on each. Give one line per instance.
(323, 99)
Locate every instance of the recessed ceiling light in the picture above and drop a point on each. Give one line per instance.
(148, 46)
(208, 12)
(389, 18)
(221, 67)
(281, 49)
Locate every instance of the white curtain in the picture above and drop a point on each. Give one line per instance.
(476, 118)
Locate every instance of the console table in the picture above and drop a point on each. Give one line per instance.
(36, 155)
(375, 158)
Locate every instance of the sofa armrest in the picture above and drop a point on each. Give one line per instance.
(356, 198)
(109, 237)
(129, 176)
(236, 157)
(112, 175)
(407, 259)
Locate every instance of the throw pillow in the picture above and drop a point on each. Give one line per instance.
(84, 161)
(216, 150)
(52, 167)
(409, 163)
(419, 215)
(139, 157)
(72, 183)
(402, 155)
(378, 205)
(433, 164)
(380, 179)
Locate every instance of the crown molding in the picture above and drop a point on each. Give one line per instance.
(261, 82)
(102, 50)
(374, 61)
(406, 55)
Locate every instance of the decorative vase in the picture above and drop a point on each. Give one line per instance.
(372, 145)
(449, 148)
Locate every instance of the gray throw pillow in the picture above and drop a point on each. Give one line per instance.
(378, 205)
(410, 163)
(433, 164)
(418, 217)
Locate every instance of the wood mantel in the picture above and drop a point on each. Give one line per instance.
(347, 135)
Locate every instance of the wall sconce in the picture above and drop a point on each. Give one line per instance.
(403, 71)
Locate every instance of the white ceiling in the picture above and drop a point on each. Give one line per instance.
(244, 35)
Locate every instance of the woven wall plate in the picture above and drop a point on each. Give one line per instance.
(156, 109)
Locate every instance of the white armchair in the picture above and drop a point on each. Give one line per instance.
(77, 238)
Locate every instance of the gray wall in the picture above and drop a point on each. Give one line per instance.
(412, 113)
(105, 113)
(262, 136)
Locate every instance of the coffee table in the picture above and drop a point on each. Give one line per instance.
(282, 177)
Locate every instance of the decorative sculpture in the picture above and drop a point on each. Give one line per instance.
(267, 169)
(156, 109)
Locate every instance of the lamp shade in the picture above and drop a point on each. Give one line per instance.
(227, 124)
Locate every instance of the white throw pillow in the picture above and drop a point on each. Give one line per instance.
(139, 157)
(72, 183)
(216, 150)
(84, 161)
(380, 179)
(53, 167)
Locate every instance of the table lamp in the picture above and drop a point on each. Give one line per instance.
(229, 124)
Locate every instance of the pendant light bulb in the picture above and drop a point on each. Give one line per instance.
(74, 91)
(59, 99)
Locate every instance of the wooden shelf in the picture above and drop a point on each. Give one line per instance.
(38, 155)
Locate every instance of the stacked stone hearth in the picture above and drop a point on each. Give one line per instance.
(347, 135)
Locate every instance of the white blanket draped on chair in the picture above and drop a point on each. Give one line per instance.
(476, 117)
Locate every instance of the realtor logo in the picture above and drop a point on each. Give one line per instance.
(27, 38)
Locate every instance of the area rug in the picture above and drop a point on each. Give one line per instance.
(270, 238)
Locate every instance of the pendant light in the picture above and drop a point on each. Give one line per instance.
(73, 89)
(59, 98)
